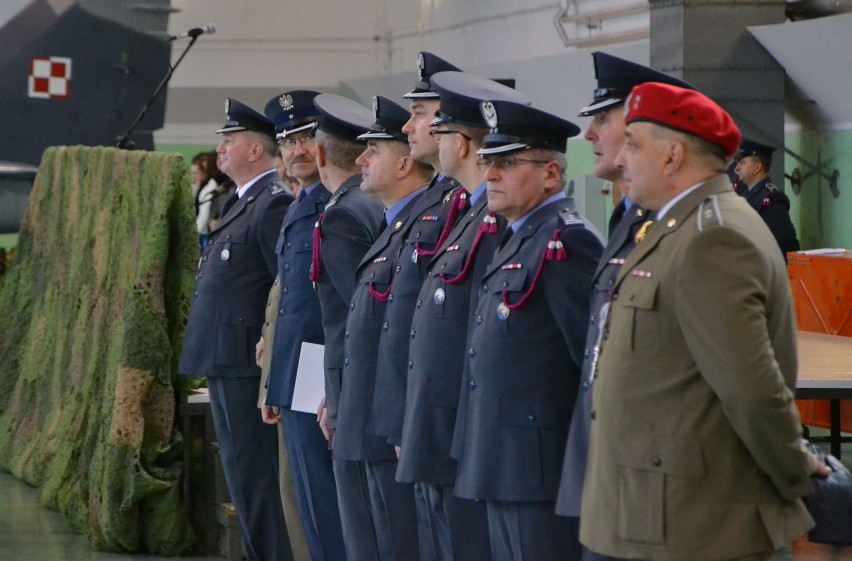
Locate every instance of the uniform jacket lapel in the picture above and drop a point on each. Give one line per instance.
(620, 236)
(247, 198)
(399, 223)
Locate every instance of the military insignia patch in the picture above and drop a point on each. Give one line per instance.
(376, 106)
(511, 266)
(398, 225)
(452, 248)
(439, 296)
(421, 65)
(286, 102)
(430, 218)
(380, 259)
(641, 274)
(489, 114)
(570, 216)
(503, 311)
(276, 188)
(616, 261)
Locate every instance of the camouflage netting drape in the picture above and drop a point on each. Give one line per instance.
(92, 314)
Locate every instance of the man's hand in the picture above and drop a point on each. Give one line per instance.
(269, 413)
(258, 352)
(322, 420)
(818, 468)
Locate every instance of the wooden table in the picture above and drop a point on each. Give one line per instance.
(825, 372)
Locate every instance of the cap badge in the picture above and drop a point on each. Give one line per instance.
(421, 64)
(227, 106)
(286, 102)
(489, 113)
(376, 106)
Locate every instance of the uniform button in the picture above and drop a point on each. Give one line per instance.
(275, 282)
(285, 290)
(281, 312)
(413, 333)
(444, 266)
(419, 302)
(390, 298)
(287, 267)
(228, 237)
(385, 327)
(585, 386)
(289, 244)
(472, 385)
(485, 289)
(593, 414)
(657, 462)
(204, 258)
(196, 294)
(610, 282)
(372, 275)
(472, 352)
(417, 236)
(411, 365)
(346, 361)
(587, 353)
(531, 418)
(268, 302)
(282, 230)
(346, 335)
(478, 320)
(266, 324)
(352, 306)
(241, 320)
(210, 241)
(592, 320)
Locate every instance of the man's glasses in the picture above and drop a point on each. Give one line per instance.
(505, 164)
(436, 134)
(290, 143)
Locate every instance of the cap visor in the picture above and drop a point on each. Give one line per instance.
(598, 107)
(285, 132)
(501, 149)
(421, 95)
(377, 136)
(231, 129)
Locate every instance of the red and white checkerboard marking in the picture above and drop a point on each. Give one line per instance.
(50, 77)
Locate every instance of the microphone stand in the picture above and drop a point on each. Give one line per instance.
(124, 141)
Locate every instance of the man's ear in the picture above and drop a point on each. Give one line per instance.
(675, 154)
(321, 156)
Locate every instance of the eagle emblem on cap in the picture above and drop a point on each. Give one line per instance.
(286, 102)
(227, 105)
(421, 64)
(489, 113)
(376, 106)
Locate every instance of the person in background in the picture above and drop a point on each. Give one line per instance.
(770, 202)
(211, 189)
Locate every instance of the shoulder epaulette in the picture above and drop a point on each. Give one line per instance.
(570, 217)
(709, 214)
(277, 187)
(771, 187)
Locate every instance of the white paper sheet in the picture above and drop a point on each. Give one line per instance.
(310, 379)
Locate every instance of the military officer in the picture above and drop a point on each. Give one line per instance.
(300, 322)
(234, 276)
(695, 443)
(526, 339)
(459, 527)
(616, 77)
(345, 230)
(398, 181)
(764, 196)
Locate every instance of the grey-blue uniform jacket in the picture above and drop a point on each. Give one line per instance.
(621, 242)
(523, 368)
(429, 216)
(774, 207)
(235, 273)
(299, 315)
(350, 226)
(438, 345)
(355, 438)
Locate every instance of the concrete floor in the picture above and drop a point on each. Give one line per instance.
(29, 532)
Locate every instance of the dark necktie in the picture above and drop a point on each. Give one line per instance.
(230, 202)
(507, 235)
(383, 224)
(302, 195)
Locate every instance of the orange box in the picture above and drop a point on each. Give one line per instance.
(822, 294)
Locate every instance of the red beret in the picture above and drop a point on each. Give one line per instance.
(684, 110)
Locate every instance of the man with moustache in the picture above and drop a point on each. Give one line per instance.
(398, 181)
(300, 321)
(616, 77)
(695, 448)
(459, 527)
(235, 274)
(524, 347)
(345, 230)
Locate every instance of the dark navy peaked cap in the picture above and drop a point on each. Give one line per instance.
(516, 126)
(616, 77)
(428, 64)
(751, 148)
(292, 111)
(342, 117)
(461, 94)
(389, 118)
(241, 117)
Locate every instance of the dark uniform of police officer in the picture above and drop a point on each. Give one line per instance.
(767, 199)
(615, 77)
(525, 345)
(357, 438)
(346, 229)
(438, 334)
(300, 321)
(234, 276)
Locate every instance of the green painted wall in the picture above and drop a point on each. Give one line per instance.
(188, 151)
(821, 219)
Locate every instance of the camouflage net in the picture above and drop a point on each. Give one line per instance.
(92, 313)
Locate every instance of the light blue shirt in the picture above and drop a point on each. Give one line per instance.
(516, 225)
(394, 209)
(480, 191)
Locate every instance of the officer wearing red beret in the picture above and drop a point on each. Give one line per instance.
(695, 444)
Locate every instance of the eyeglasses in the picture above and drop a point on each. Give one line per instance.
(505, 164)
(290, 143)
(436, 134)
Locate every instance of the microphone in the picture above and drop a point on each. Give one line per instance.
(196, 31)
